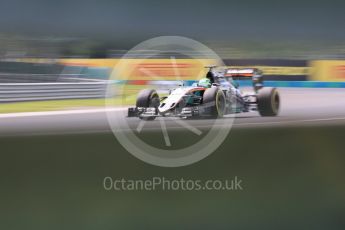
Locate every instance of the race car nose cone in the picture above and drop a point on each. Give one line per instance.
(164, 107)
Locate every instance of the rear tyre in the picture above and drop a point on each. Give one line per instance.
(214, 101)
(268, 101)
(148, 98)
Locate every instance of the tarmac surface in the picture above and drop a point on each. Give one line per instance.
(299, 107)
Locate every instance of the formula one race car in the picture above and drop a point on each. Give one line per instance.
(214, 96)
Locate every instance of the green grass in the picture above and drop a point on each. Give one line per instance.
(49, 105)
(54, 105)
(129, 97)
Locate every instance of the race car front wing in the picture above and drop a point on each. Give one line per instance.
(192, 111)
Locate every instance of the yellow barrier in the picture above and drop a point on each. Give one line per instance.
(110, 63)
(148, 69)
(162, 69)
(328, 70)
(165, 68)
(188, 69)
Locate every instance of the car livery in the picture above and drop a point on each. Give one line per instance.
(222, 98)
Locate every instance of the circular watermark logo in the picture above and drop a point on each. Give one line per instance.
(140, 61)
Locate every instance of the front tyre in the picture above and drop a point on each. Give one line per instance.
(268, 101)
(214, 101)
(148, 98)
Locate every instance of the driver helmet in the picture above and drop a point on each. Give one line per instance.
(205, 82)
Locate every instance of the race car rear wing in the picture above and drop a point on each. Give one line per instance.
(243, 73)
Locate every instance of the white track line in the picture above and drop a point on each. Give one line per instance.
(54, 113)
(252, 124)
(90, 111)
(291, 121)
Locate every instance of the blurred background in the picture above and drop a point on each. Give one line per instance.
(74, 41)
(235, 29)
(58, 55)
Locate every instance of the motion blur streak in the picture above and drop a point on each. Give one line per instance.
(55, 154)
(299, 107)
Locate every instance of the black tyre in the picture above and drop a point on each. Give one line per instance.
(148, 98)
(268, 101)
(214, 101)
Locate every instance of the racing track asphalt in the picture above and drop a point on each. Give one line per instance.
(300, 106)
